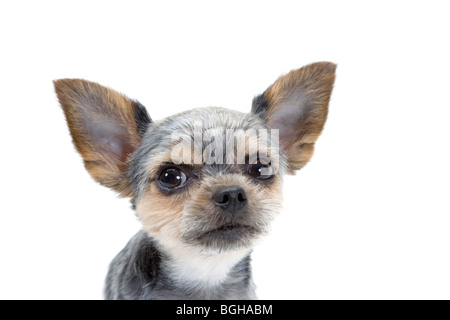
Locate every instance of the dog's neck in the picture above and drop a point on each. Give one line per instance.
(145, 270)
(188, 267)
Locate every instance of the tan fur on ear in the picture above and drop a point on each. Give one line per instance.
(103, 127)
(297, 105)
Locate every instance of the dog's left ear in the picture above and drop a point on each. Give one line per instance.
(297, 105)
(106, 128)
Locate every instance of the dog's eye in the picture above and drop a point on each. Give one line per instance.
(261, 171)
(172, 178)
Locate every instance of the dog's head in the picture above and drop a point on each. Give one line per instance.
(207, 179)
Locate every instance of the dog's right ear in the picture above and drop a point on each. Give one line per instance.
(297, 105)
(106, 127)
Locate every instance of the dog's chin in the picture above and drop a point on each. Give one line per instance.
(227, 237)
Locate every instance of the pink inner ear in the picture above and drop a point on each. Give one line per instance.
(110, 139)
(288, 119)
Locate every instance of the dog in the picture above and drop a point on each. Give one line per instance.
(202, 210)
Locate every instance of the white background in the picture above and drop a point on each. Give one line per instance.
(368, 218)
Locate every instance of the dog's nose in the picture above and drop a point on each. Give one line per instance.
(231, 199)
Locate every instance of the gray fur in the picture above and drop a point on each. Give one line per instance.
(138, 272)
(157, 139)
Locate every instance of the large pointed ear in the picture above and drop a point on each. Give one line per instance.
(297, 105)
(106, 127)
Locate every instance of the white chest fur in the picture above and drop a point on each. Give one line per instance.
(204, 270)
